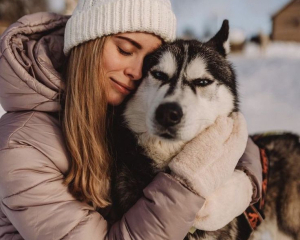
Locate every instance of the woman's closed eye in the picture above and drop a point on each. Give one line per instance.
(125, 53)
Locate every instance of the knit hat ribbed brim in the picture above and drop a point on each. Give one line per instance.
(96, 18)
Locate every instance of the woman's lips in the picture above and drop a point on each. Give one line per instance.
(121, 87)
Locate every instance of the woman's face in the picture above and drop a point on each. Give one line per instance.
(122, 62)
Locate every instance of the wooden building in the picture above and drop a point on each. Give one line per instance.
(286, 23)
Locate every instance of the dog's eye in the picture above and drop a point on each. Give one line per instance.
(202, 82)
(160, 75)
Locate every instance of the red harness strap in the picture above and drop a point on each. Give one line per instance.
(254, 213)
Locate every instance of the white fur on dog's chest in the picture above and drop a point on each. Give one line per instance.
(160, 151)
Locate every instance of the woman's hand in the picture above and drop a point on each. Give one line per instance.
(209, 160)
(226, 203)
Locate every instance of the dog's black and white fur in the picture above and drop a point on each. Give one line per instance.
(186, 86)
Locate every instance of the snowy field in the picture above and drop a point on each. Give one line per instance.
(269, 86)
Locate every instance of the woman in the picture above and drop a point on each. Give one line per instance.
(54, 175)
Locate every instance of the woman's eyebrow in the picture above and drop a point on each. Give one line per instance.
(136, 44)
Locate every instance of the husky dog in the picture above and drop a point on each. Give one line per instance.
(186, 86)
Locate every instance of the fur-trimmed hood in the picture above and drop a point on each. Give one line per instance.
(31, 59)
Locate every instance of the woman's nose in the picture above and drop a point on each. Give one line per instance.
(134, 71)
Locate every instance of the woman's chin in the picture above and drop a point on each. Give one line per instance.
(115, 99)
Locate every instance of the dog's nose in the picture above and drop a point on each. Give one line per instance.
(168, 114)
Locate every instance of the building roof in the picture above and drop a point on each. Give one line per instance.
(284, 8)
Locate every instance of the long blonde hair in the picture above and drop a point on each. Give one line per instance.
(84, 125)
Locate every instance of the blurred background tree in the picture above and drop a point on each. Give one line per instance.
(70, 6)
(12, 10)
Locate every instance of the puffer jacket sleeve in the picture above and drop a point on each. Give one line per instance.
(250, 163)
(38, 204)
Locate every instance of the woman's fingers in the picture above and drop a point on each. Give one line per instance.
(220, 131)
(212, 138)
(237, 141)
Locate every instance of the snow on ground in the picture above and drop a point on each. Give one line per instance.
(269, 86)
(283, 50)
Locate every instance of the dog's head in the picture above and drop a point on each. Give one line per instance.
(186, 86)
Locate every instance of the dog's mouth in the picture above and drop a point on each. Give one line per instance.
(169, 133)
(167, 136)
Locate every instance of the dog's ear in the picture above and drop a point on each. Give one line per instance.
(220, 41)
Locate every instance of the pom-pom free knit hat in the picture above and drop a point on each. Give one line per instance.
(95, 18)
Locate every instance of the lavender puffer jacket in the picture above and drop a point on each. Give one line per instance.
(35, 204)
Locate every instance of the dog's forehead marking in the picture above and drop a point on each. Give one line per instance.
(185, 60)
(175, 83)
(197, 68)
(167, 64)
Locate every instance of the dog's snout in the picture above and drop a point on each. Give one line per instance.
(168, 114)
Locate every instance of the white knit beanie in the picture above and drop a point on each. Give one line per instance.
(95, 18)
